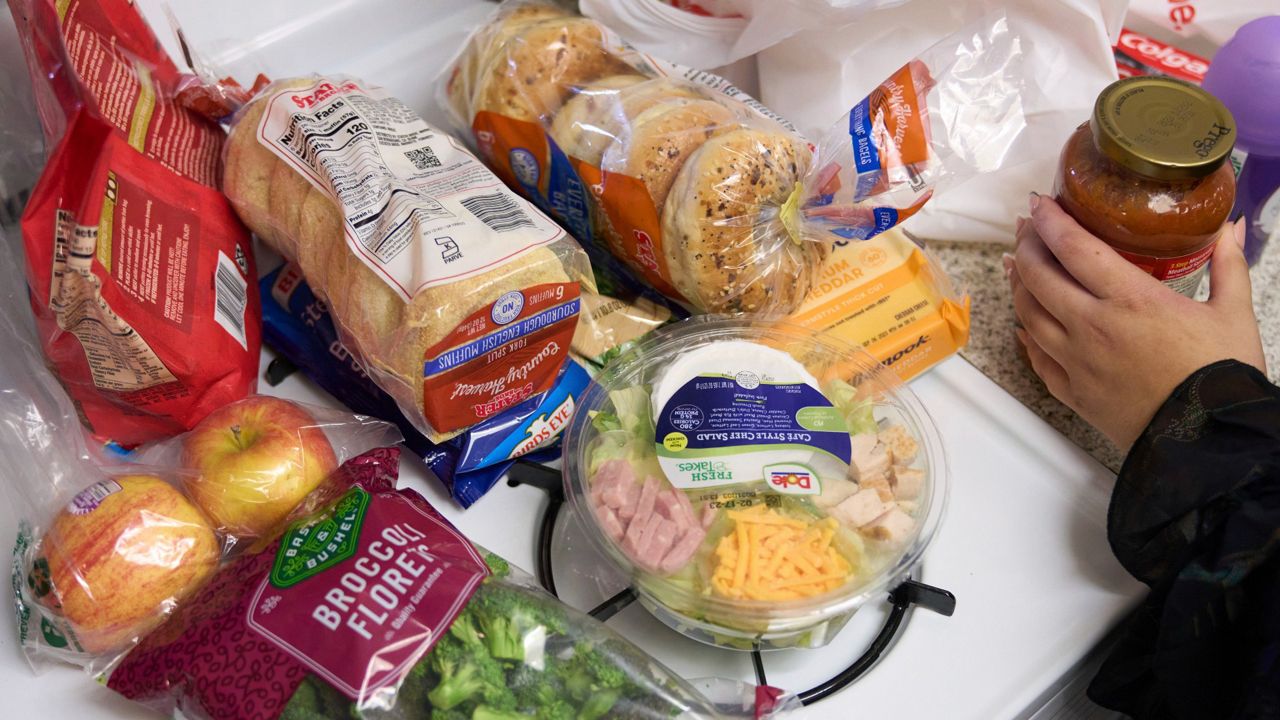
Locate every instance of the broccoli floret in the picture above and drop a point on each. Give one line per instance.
(442, 714)
(484, 712)
(502, 637)
(556, 709)
(598, 705)
(498, 566)
(315, 700)
(465, 675)
(465, 630)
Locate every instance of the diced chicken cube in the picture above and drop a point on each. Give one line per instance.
(902, 447)
(907, 483)
(868, 457)
(894, 526)
(879, 483)
(908, 506)
(861, 508)
(834, 492)
(683, 551)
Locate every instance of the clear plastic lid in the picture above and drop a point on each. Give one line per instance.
(752, 477)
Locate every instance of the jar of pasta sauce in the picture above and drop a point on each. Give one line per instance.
(1148, 173)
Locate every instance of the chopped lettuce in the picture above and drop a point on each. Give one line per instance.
(859, 412)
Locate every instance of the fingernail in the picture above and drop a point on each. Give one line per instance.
(1018, 224)
(1033, 200)
(1240, 230)
(1007, 260)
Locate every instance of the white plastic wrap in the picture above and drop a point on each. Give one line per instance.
(701, 191)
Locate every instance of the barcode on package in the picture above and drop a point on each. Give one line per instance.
(499, 211)
(423, 158)
(230, 297)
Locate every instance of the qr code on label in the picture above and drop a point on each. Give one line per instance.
(423, 158)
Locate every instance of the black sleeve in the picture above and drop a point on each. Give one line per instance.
(1196, 516)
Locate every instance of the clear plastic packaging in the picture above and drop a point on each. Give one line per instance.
(458, 296)
(104, 553)
(757, 482)
(705, 194)
(406, 619)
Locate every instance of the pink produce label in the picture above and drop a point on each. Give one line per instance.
(355, 596)
(360, 596)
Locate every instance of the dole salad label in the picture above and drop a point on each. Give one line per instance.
(747, 414)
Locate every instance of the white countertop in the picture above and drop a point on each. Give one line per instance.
(1022, 546)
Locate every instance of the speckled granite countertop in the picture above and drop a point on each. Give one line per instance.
(976, 267)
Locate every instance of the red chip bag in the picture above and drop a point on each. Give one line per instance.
(142, 278)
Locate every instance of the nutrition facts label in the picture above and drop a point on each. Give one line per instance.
(419, 210)
(119, 359)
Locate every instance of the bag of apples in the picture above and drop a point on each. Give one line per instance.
(105, 560)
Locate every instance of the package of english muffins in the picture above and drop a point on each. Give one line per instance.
(702, 192)
(458, 296)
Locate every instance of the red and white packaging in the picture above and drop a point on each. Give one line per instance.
(1138, 54)
(142, 278)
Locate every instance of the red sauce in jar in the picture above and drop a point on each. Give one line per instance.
(1148, 174)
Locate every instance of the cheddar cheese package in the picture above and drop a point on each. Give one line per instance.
(890, 296)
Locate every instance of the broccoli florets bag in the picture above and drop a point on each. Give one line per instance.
(376, 607)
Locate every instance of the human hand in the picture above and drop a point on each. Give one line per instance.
(1110, 341)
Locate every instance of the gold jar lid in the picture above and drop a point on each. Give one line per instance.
(1162, 128)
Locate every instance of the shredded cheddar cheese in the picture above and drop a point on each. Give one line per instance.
(769, 556)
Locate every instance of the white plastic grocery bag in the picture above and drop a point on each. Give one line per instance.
(713, 33)
(810, 76)
(1198, 26)
(818, 57)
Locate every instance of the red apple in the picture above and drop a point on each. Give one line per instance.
(254, 460)
(120, 556)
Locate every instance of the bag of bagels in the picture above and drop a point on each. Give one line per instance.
(458, 296)
(700, 190)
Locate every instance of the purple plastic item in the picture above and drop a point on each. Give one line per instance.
(1245, 76)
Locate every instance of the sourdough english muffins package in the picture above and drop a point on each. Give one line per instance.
(700, 191)
(458, 296)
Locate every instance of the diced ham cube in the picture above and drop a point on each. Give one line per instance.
(614, 494)
(613, 471)
(868, 457)
(860, 508)
(902, 447)
(648, 494)
(670, 507)
(688, 506)
(893, 526)
(631, 541)
(609, 523)
(655, 547)
(907, 483)
(631, 498)
(834, 492)
(879, 483)
(708, 516)
(682, 552)
(648, 526)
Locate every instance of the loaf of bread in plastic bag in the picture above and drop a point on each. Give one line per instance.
(458, 296)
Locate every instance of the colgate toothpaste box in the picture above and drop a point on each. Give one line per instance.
(1138, 54)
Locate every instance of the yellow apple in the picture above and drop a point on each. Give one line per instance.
(252, 461)
(121, 555)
